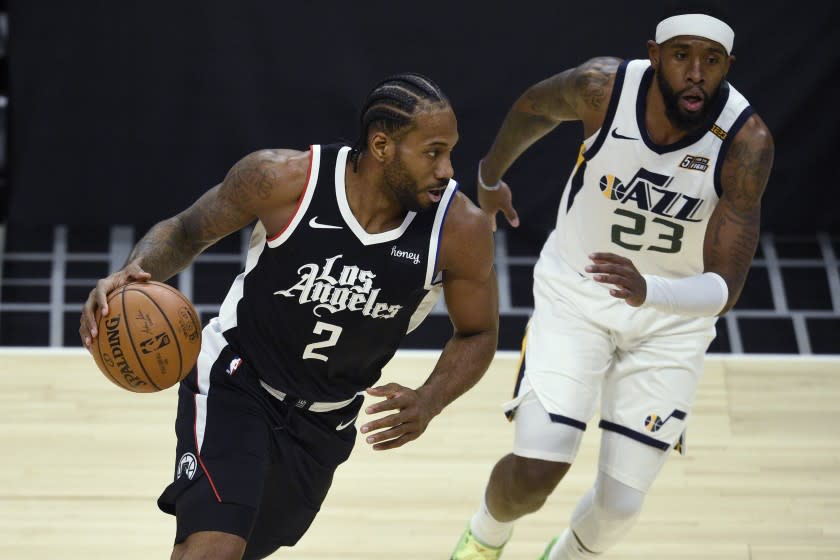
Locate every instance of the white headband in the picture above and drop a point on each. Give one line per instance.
(700, 25)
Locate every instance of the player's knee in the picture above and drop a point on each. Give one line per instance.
(618, 511)
(259, 550)
(609, 515)
(209, 545)
(535, 478)
(616, 500)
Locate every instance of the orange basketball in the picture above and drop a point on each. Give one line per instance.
(150, 339)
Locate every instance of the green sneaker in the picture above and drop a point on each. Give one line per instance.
(470, 548)
(548, 548)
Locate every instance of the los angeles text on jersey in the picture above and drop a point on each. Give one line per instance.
(351, 288)
(649, 191)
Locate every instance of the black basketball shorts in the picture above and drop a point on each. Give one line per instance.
(247, 463)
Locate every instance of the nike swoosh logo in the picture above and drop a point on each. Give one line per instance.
(313, 223)
(615, 134)
(345, 424)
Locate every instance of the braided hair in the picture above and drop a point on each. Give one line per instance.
(391, 105)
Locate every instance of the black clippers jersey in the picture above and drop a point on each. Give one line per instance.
(323, 305)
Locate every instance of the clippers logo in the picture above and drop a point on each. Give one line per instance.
(654, 422)
(351, 289)
(154, 344)
(695, 163)
(412, 257)
(649, 191)
(186, 466)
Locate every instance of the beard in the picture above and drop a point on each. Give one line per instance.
(404, 188)
(683, 120)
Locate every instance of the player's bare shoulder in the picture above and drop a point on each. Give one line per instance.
(467, 241)
(266, 175)
(748, 163)
(267, 183)
(592, 84)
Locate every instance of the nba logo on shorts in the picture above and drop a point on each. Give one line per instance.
(186, 466)
(653, 422)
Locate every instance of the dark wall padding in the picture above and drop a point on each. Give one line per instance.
(124, 112)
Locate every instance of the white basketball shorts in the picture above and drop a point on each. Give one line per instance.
(585, 348)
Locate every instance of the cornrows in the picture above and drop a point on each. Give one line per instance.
(392, 104)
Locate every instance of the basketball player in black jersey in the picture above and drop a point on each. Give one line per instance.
(351, 245)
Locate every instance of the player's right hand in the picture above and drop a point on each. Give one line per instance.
(98, 299)
(494, 201)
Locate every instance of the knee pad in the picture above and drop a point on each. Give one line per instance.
(606, 513)
(615, 499)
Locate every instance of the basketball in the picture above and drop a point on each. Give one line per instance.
(150, 339)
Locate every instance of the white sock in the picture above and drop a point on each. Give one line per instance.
(487, 530)
(567, 547)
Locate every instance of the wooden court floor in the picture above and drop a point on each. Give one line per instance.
(82, 463)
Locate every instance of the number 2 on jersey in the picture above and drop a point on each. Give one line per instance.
(321, 327)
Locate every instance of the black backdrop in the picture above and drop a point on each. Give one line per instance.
(124, 112)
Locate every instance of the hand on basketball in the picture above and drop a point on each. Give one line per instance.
(397, 429)
(498, 200)
(619, 271)
(98, 298)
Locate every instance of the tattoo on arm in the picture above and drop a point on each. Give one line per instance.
(535, 103)
(249, 179)
(735, 226)
(592, 83)
(592, 87)
(536, 113)
(735, 237)
(171, 245)
(563, 97)
(164, 250)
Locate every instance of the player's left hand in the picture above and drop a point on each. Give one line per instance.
(609, 268)
(397, 429)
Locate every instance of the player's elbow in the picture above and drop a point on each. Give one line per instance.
(484, 343)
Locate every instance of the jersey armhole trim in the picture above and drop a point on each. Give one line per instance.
(304, 200)
(618, 85)
(724, 147)
(437, 234)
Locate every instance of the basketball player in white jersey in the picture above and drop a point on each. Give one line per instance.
(655, 233)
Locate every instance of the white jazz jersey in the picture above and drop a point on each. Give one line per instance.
(647, 202)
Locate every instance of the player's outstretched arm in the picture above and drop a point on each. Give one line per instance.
(472, 300)
(580, 93)
(733, 231)
(263, 184)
